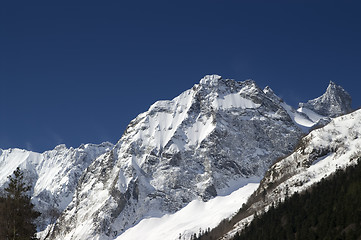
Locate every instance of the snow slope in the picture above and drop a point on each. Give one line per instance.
(197, 146)
(54, 174)
(319, 155)
(194, 216)
(186, 154)
(303, 117)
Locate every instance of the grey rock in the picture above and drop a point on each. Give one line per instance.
(334, 102)
(193, 146)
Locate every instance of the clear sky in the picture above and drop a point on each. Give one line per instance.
(79, 71)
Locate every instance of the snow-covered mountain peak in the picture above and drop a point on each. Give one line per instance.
(268, 89)
(336, 90)
(213, 95)
(210, 80)
(215, 84)
(334, 102)
(332, 83)
(54, 174)
(60, 147)
(205, 142)
(270, 94)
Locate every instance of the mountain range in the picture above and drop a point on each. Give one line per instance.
(203, 154)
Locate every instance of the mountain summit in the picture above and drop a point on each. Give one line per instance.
(207, 142)
(334, 102)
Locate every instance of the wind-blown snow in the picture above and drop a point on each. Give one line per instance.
(234, 100)
(10, 159)
(300, 119)
(162, 120)
(311, 114)
(197, 214)
(199, 131)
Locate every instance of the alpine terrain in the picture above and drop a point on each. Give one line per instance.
(318, 156)
(189, 162)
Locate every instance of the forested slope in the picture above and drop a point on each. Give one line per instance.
(329, 210)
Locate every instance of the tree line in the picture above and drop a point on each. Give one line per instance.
(329, 210)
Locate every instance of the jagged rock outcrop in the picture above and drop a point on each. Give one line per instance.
(318, 155)
(53, 174)
(334, 102)
(203, 143)
(195, 145)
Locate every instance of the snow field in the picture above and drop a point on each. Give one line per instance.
(197, 214)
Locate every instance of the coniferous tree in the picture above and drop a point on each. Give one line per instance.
(329, 210)
(17, 212)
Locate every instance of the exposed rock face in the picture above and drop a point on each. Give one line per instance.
(334, 102)
(201, 144)
(195, 145)
(319, 154)
(54, 174)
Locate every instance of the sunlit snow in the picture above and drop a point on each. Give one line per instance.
(197, 214)
(234, 100)
(311, 114)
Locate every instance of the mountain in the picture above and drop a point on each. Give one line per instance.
(334, 102)
(318, 155)
(54, 174)
(215, 138)
(329, 209)
(198, 145)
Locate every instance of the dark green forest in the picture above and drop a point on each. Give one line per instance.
(329, 210)
(17, 213)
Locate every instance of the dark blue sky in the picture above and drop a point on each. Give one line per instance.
(77, 72)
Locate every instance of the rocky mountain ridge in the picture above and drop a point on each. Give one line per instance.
(334, 102)
(318, 155)
(203, 143)
(54, 174)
